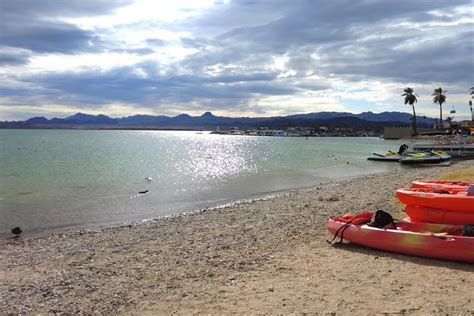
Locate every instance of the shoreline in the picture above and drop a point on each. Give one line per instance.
(266, 256)
(97, 228)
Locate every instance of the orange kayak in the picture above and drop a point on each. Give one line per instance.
(452, 200)
(434, 215)
(439, 241)
(441, 184)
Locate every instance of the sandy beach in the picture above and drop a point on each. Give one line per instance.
(263, 257)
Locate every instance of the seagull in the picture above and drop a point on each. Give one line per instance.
(149, 179)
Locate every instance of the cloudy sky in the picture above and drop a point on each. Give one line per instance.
(232, 57)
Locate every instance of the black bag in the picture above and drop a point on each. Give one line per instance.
(469, 230)
(382, 219)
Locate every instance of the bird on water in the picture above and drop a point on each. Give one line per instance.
(16, 231)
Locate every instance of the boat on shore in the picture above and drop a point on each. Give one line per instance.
(453, 200)
(441, 184)
(439, 216)
(389, 155)
(438, 241)
(454, 150)
(429, 157)
(425, 157)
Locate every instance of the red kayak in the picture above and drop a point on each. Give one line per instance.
(434, 215)
(437, 241)
(441, 184)
(453, 200)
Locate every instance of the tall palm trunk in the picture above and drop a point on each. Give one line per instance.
(472, 113)
(441, 115)
(414, 121)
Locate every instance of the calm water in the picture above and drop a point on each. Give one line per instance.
(54, 180)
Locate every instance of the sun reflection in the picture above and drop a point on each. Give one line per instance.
(214, 157)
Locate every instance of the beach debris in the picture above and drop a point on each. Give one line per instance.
(143, 192)
(149, 179)
(16, 231)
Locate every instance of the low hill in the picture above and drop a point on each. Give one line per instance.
(211, 121)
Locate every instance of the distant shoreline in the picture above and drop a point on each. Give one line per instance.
(178, 129)
(109, 128)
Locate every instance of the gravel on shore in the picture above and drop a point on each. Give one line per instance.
(268, 256)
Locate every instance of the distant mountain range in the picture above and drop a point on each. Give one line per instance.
(210, 121)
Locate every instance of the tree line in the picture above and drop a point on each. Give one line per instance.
(439, 97)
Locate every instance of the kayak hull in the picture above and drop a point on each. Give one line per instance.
(454, 200)
(412, 238)
(434, 215)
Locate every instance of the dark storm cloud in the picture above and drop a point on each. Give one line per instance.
(448, 60)
(7, 91)
(13, 58)
(357, 39)
(278, 18)
(38, 9)
(119, 84)
(143, 84)
(45, 37)
(35, 25)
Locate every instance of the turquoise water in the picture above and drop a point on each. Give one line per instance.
(54, 180)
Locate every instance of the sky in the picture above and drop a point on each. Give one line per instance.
(233, 57)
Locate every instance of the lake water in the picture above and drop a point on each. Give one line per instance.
(56, 180)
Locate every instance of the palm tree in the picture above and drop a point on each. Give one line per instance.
(470, 103)
(410, 98)
(472, 113)
(439, 98)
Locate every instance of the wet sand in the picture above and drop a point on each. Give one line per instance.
(267, 256)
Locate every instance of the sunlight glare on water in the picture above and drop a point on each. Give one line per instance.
(58, 179)
(203, 159)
